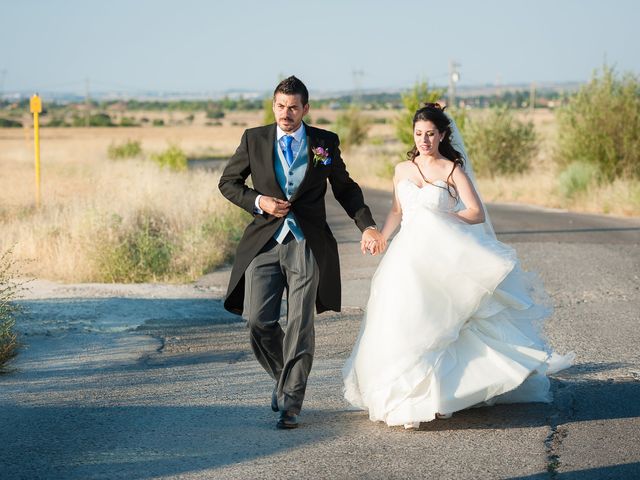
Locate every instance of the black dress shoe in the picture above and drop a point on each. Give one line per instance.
(287, 420)
(274, 399)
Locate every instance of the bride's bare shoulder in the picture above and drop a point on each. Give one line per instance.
(403, 170)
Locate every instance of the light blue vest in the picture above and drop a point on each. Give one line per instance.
(289, 178)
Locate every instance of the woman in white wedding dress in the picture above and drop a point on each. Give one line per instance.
(452, 321)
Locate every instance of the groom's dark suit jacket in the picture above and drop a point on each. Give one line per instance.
(255, 157)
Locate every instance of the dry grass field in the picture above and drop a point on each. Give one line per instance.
(92, 204)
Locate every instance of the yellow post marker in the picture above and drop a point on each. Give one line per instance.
(36, 107)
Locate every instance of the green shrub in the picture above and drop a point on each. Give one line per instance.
(577, 178)
(128, 122)
(173, 158)
(8, 309)
(100, 120)
(231, 224)
(157, 122)
(129, 149)
(323, 121)
(138, 252)
(96, 120)
(8, 123)
(147, 248)
(352, 127)
(601, 125)
(412, 101)
(215, 114)
(57, 122)
(499, 144)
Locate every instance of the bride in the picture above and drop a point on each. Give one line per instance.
(452, 321)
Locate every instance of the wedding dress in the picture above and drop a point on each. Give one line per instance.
(452, 320)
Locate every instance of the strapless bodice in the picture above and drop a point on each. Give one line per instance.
(433, 196)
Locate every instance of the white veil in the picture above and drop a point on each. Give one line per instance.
(458, 144)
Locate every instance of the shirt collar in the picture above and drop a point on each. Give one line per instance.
(298, 135)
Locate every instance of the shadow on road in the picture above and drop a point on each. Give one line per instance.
(613, 472)
(159, 440)
(575, 400)
(174, 440)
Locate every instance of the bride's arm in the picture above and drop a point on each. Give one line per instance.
(394, 217)
(473, 212)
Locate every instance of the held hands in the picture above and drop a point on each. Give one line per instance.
(274, 206)
(372, 242)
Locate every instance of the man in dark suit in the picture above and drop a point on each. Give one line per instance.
(288, 245)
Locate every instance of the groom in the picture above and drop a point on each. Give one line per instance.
(288, 245)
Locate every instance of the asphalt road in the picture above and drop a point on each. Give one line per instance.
(180, 396)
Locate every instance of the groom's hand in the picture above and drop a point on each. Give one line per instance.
(274, 206)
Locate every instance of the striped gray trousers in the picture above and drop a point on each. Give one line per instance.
(286, 356)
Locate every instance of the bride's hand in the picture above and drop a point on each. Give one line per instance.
(376, 247)
(372, 241)
(382, 245)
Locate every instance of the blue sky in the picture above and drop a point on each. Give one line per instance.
(197, 45)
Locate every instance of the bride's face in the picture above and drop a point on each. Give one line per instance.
(427, 137)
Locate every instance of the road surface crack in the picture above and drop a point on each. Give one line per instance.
(565, 411)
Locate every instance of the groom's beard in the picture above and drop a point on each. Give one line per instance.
(288, 127)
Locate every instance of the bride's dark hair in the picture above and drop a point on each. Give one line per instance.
(434, 113)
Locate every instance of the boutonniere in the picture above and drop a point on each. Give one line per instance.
(321, 156)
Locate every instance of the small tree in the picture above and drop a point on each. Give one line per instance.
(412, 101)
(267, 108)
(215, 113)
(8, 123)
(101, 120)
(498, 143)
(600, 126)
(352, 127)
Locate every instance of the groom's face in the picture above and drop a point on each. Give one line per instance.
(289, 110)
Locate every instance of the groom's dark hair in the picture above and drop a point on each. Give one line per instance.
(293, 86)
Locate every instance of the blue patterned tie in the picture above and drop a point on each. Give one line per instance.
(288, 153)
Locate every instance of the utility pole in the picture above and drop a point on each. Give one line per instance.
(3, 74)
(532, 98)
(87, 103)
(357, 85)
(454, 77)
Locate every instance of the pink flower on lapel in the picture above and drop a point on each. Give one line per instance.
(321, 156)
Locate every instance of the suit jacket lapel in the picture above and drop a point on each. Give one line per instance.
(311, 139)
(266, 149)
